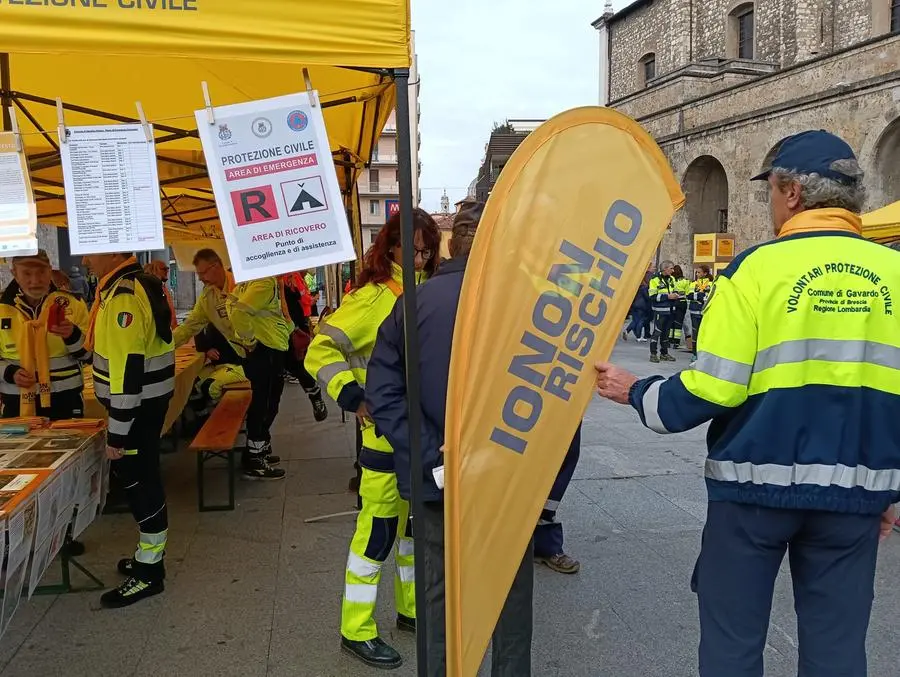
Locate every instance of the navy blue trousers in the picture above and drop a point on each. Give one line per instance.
(832, 557)
(548, 536)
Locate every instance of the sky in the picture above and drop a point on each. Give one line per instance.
(485, 61)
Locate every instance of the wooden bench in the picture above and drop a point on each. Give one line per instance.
(218, 438)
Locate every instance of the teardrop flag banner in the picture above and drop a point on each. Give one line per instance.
(562, 246)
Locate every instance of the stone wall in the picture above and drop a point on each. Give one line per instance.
(788, 32)
(855, 94)
(647, 29)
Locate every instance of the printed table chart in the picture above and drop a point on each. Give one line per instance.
(51, 480)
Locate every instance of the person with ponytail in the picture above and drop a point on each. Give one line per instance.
(338, 357)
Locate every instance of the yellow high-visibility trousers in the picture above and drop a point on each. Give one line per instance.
(383, 517)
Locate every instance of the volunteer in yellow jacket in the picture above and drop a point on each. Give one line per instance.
(134, 376)
(338, 357)
(250, 317)
(41, 355)
(799, 372)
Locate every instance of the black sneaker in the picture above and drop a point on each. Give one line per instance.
(126, 567)
(320, 409)
(257, 468)
(271, 458)
(130, 592)
(406, 624)
(374, 652)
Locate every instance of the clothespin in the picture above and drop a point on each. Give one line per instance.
(61, 121)
(14, 122)
(210, 113)
(313, 96)
(148, 132)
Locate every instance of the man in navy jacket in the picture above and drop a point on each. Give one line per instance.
(436, 302)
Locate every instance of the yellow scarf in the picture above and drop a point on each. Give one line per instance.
(814, 220)
(34, 355)
(95, 308)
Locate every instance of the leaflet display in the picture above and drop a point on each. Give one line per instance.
(276, 187)
(112, 189)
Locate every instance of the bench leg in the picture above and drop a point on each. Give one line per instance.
(200, 464)
(231, 472)
(202, 458)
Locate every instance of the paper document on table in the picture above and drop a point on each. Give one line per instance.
(112, 190)
(18, 214)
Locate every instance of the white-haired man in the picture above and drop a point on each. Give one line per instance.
(798, 366)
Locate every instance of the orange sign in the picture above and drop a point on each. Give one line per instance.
(724, 248)
(703, 248)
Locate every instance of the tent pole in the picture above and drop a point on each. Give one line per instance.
(6, 88)
(411, 330)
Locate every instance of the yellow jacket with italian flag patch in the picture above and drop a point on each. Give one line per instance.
(65, 355)
(134, 359)
(799, 371)
(339, 355)
(244, 314)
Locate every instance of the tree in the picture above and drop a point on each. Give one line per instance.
(503, 128)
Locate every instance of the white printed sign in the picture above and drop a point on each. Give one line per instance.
(112, 190)
(276, 188)
(18, 214)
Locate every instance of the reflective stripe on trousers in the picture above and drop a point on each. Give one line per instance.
(382, 516)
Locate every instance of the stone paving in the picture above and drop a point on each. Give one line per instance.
(256, 592)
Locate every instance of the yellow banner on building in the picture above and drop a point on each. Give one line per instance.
(562, 246)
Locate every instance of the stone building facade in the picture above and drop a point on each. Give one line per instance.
(719, 83)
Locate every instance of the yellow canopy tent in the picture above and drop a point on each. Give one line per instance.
(102, 56)
(882, 225)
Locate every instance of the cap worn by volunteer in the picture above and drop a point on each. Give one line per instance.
(466, 221)
(813, 152)
(40, 258)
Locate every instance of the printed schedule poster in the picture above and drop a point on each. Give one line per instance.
(112, 190)
(276, 188)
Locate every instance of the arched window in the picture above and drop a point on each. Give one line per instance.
(742, 32)
(647, 69)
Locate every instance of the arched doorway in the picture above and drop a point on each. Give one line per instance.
(705, 187)
(885, 183)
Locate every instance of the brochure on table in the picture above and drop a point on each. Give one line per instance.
(276, 188)
(112, 189)
(18, 214)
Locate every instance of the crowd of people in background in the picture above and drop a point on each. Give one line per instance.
(668, 308)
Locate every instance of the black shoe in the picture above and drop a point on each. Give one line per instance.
(373, 652)
(271, 458)
(406, 624)
(256, 468)
(320, 409)
(130, 592)
(73, 548)
(126, 567)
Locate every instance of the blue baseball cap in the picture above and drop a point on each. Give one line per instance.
(811, 152)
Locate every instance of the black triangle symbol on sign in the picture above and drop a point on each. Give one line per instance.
(305, 199)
